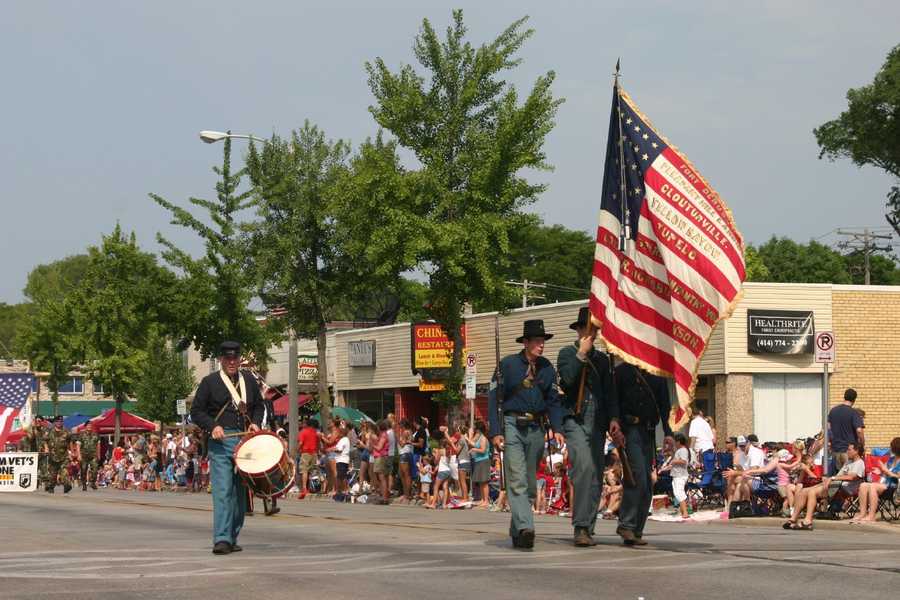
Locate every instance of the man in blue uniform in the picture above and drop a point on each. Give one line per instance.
(583, 369)
(644, 402)
(525, 393)
(227, 402)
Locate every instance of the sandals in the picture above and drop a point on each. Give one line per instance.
(804, 526)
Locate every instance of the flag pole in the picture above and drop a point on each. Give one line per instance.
(625, 230)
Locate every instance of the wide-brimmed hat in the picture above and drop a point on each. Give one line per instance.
(584, 317)
(533, 328)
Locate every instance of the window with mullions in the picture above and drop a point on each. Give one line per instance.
(72, 385)
(98, 388)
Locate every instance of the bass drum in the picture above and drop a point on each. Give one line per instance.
(263, 463)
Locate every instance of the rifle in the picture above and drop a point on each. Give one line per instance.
(627, 473)
(498, 391)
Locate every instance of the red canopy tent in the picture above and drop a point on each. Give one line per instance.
(281, 404)
(106, 423)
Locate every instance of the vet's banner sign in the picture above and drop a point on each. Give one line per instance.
(18, 471)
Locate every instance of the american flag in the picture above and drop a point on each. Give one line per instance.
(669, 261)
(14, 390)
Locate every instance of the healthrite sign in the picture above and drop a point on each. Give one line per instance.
(432, 350)
(780, 331)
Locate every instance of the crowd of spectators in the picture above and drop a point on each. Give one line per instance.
(455, 466)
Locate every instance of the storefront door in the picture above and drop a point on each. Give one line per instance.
(786, 407)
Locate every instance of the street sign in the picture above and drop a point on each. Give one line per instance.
(471, 359)
(824, 347)
(181, 406)
(431, 386)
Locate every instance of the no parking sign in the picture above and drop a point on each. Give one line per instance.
(824, 347)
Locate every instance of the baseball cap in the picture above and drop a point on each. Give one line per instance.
(168, 436)
(783, 454)
(741, 440)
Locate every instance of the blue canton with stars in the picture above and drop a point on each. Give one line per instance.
(639, 147)
(14, 389)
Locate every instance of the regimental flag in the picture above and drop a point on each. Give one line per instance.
(669, 261)
(14, 390)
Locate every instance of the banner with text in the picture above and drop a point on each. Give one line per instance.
(780, 331)
(18, 471)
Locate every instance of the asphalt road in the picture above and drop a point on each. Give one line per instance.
(119, 545)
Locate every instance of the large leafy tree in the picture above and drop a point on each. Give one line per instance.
(125, 300)
(473, 137)
(307, 248)
(55, 280)
(164, 379)
(47, 339)
(868, 132)
(12, 319)
(789, 262)
(215, 291)
(561, 259)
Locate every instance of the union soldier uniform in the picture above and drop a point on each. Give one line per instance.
(526, 394)
(89, 440)
(58, 454)
(644, 403)
(232, 405)
(585, 426)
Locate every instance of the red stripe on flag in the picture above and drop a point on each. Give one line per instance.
(679, 246)
(8, 417)
(692, 300)
(665, 189)
(694, 178)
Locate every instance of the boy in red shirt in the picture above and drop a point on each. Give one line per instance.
(308, 441)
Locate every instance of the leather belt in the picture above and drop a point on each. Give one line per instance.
(522, 415)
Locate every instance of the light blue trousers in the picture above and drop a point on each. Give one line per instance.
(228, 490)
(523, 447)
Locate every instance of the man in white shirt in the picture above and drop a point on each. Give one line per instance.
(701, 436)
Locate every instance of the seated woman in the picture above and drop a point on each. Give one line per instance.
(870, 492)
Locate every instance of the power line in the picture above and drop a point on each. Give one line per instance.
(864, 242)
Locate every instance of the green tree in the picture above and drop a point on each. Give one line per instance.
(12, 318)
(868, 132)
(790, 262)
(47, 339)
(57, 279)
(164, 378)
(306, 255)
(125, 300)
(883, 269)
(553, 255)
(472, 138)
(755, 267)
(215, 291)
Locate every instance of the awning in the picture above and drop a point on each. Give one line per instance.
(282, 403)
(348, 413)
(106, 423)
(75, 420)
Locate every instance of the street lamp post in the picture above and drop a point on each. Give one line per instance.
(210, 137)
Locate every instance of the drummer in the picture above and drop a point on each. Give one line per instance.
(227, 403)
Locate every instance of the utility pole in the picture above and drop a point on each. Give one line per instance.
(864, 242)
(526, 285)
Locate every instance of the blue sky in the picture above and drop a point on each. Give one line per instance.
(102, 102)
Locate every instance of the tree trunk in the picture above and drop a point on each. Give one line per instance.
(322, 365)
